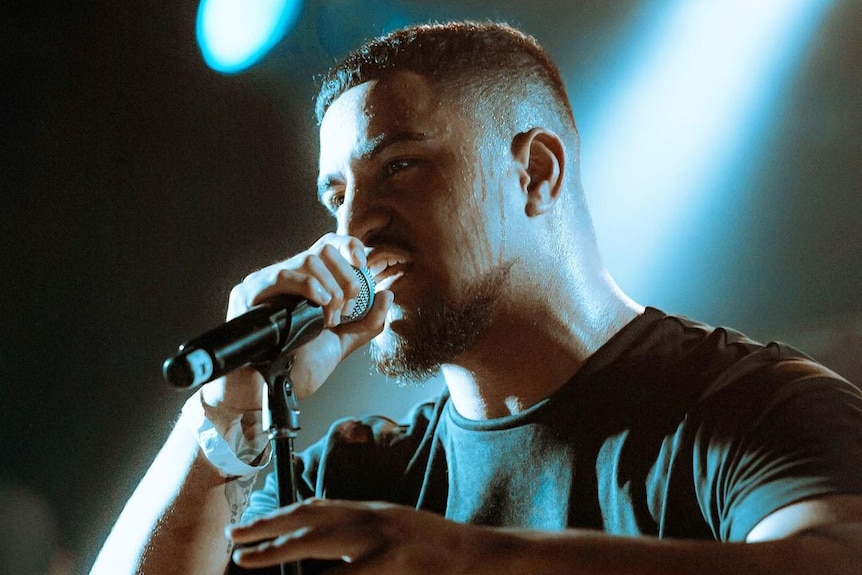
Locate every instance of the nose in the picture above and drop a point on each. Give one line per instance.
(362, 213)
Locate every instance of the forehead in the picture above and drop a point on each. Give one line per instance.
(400, 103)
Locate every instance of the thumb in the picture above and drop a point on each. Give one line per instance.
(316, 360)
(355, 334)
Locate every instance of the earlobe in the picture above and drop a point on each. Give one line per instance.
(541, 154)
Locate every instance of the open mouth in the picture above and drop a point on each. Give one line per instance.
(386, 268)
(389, 276)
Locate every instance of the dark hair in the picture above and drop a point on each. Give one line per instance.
(493, 61)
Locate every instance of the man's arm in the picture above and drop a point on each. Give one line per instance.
(175, 519)
(174, 522)
(812, 537)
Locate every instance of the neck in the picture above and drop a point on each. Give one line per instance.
(525, 357)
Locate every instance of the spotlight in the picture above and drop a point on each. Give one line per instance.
(235, 34)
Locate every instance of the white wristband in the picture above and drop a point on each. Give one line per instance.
(232, 453)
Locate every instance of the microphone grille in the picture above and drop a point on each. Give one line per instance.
(365, 299)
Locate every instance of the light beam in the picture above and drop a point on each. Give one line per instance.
(709, 73)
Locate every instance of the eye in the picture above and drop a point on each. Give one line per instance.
(396, 166)
(333, 201)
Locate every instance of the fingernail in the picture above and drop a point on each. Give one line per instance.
(348, 307)
(360, 257)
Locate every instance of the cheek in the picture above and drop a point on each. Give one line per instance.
(471, 237)
(461, 218)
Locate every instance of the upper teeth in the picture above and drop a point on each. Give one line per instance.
(378, 266)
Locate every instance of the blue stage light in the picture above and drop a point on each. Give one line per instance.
(235, 34)
(682, 117)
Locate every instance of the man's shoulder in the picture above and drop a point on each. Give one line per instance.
(688, 366)
(724, 355)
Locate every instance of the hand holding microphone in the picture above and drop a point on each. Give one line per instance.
(279, 325)
(319, 303)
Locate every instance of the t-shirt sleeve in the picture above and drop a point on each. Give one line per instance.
(780, 432)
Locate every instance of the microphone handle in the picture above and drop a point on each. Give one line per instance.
(257, 336)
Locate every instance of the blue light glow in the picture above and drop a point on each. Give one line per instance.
(234, 34)
(705, 76)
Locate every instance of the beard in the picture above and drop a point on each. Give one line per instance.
(440, 330)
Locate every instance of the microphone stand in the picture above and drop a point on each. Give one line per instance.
(283, 425)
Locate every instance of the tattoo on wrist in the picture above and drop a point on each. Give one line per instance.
(238, 494)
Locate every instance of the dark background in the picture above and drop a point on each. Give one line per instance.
(138, 186)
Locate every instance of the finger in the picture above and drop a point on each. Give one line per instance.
(350, 248)
(332, 273)
(328, 260)
(269, 526)
(382, 302)
(321, 529)
(283, 278)
(310, 513)
(356, 334)
(344, 274)
(314, 280)
(351, 543)
(294, 282)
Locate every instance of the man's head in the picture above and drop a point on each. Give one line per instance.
(485, 67)
(448, 149)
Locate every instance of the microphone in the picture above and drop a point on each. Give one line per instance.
(261, 334)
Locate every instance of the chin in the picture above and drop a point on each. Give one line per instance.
(389, 341)
(394, 353)
(396, 320)
(385, 343)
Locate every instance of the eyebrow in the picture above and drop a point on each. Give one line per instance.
(370, 149)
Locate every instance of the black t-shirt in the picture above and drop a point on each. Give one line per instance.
(672, 429)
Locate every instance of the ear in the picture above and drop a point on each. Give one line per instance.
(542, 158)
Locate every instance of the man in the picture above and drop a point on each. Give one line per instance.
(580, 431)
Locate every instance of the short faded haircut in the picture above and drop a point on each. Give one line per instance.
(493, 63)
